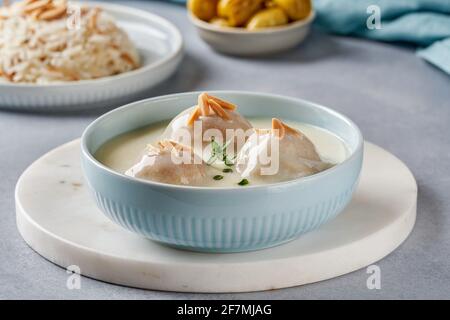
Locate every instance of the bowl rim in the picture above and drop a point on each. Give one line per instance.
(177, 40)
(242, 31)
(284, 184)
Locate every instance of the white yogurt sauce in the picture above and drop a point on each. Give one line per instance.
(126, 150)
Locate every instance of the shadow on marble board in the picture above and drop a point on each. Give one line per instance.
(186, 78)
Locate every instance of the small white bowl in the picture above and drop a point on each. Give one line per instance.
(242, 42)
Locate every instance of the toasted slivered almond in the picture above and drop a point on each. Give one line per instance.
(151, 149)
(262, 131)
(208, 103)
(66, 72)
(35, 13)
(195, 114)
(54, 13)
(204, 104)
(161, 145)
(281, 129)
(218, 109)
(292, 131)
(170, 144)
(125, 56)
(84, 11)
(224, 104)
(164, 144)
(278, 128)
(35, 5)
(93, 19)
(10, 76)
(179, 147)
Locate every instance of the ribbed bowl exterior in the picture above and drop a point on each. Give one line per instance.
(223, 233)
(82, 97)
(219, 220)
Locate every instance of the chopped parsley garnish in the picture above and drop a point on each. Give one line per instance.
(243, 182)
(227, 170)
(218, 177)
(220, 152)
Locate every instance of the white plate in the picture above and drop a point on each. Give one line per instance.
(159, 43)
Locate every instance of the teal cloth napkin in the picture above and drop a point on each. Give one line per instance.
(424, 23)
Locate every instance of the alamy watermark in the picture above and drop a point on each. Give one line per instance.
(374, 280)
(73, 17)
(263, 149)
(373, 22)
(74, 280)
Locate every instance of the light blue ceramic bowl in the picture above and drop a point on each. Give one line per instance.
(225, 219)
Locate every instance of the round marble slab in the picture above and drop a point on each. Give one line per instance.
(58, 218)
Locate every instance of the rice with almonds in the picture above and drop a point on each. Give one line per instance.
(37, 44)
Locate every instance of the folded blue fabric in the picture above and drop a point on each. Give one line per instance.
(420, 22)
(424, 23)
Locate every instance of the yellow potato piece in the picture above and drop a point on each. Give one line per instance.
(238, 11)
(268, 18)
(221, 22)
(203, 9)
(295, 9)
(269, 3)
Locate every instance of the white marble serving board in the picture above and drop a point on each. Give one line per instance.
(57, 217)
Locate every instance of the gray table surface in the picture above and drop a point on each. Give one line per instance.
(399, 101)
